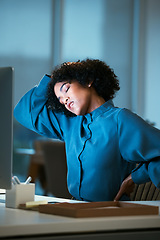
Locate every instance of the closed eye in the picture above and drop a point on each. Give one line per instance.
(67, 89)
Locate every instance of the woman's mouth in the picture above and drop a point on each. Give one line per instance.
(70, 104)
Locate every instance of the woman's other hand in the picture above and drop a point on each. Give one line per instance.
(127, 187)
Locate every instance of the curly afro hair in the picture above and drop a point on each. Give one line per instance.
(103, 80)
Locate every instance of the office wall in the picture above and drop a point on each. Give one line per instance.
(82, 29)
(26, 41)
(117, 45)
(152, 62)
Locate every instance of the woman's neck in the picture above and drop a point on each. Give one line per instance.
(96, 101)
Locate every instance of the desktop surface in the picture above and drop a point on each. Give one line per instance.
(20, 223)
(2, 191)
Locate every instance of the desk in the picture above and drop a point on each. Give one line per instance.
(34, 225)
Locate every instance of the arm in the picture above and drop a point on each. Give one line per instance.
(31, 112)
(140, 142)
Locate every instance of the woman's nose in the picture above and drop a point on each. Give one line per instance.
(66, 100)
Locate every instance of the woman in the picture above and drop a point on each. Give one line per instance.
(103, 143)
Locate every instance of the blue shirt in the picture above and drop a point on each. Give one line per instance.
(102, 147)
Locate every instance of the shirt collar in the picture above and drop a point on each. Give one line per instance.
(100, 110)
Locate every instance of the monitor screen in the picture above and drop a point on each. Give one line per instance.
(6, 126)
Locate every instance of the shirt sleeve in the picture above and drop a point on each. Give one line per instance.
(32, 112)
(140, 142)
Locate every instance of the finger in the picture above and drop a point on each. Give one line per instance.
(119, 195)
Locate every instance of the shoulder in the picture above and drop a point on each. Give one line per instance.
(125, 115)
(133, 123)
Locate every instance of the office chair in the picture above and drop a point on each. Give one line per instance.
(145, 192)
(55, 168)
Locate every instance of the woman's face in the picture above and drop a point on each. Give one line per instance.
(74, 96)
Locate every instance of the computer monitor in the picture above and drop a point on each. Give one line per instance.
(6, 126)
